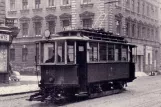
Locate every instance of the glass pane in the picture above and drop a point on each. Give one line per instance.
(103, 52)
(70, 52)
(49, 52)
(118, 53)
(124, 55)
(60, 51)
(111, 52)
(93, 53)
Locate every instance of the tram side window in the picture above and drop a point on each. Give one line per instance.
(93, 53)
(49, 53)
(117, 53)
(60, 51)
(124, 54)
(103, 51)
(70, 52)
(111, 52)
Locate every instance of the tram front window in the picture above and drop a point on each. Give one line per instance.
(49, 52)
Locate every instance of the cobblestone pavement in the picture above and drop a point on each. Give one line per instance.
(143, 92)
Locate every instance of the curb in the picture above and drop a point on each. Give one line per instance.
(3, 95)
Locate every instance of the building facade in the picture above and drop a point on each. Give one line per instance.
(137, 20)
(2, 11)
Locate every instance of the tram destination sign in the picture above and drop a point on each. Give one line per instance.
(4, 37)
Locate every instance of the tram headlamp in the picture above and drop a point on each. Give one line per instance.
(51, 79)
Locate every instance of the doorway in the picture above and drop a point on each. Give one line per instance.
(82, 62)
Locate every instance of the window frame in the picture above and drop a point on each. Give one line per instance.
(91, 52)
(37, 4)
(12, 4)
(36, 29)
(25, 28)
(86, 2)
(87, 25)
(52, 3)
(53, 26)
(62, 3)
(24, 4)
(24, 54)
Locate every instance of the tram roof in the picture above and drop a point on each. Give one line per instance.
(94, 33)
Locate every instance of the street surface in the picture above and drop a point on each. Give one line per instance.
(143, 92)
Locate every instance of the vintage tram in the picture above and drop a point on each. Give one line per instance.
(83, 62)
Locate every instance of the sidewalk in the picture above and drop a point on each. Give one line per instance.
(25, 85)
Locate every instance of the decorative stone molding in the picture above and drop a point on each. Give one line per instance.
(37, 18)
(64, 7)
(26, 11)
(24, 19)
(65, 16)
(50, 17)
(51, 8)
(87, 14)
(12, 12)
(83, 5)
(37, 10)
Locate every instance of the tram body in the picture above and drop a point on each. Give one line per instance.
(83, 61)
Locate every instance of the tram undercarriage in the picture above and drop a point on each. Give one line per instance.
(61, 94)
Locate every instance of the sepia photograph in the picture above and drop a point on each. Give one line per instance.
(80, 53)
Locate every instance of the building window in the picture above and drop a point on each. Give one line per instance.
(86, 1)
(51, 25)
(156, 34)
(152, 10)
(148, 33)
(138, 31)
(152, 33)
(37, 4)
(103, 51)
(143, 32)
(12, 4)
(25, 29)
(24, 4)
(38, 28)
(147, 10)
(138, 8)
(133, 5)
(51, 3)
(93, 53)
(12, 54)
(24, 54)
(133, 30)
(65, 2)
(127, 3)
(148, 58)
(118, 27)
(66, 23)
(127, 28)
(87, 23)
(143, 8)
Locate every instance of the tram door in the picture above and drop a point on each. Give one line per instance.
(81, 61)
